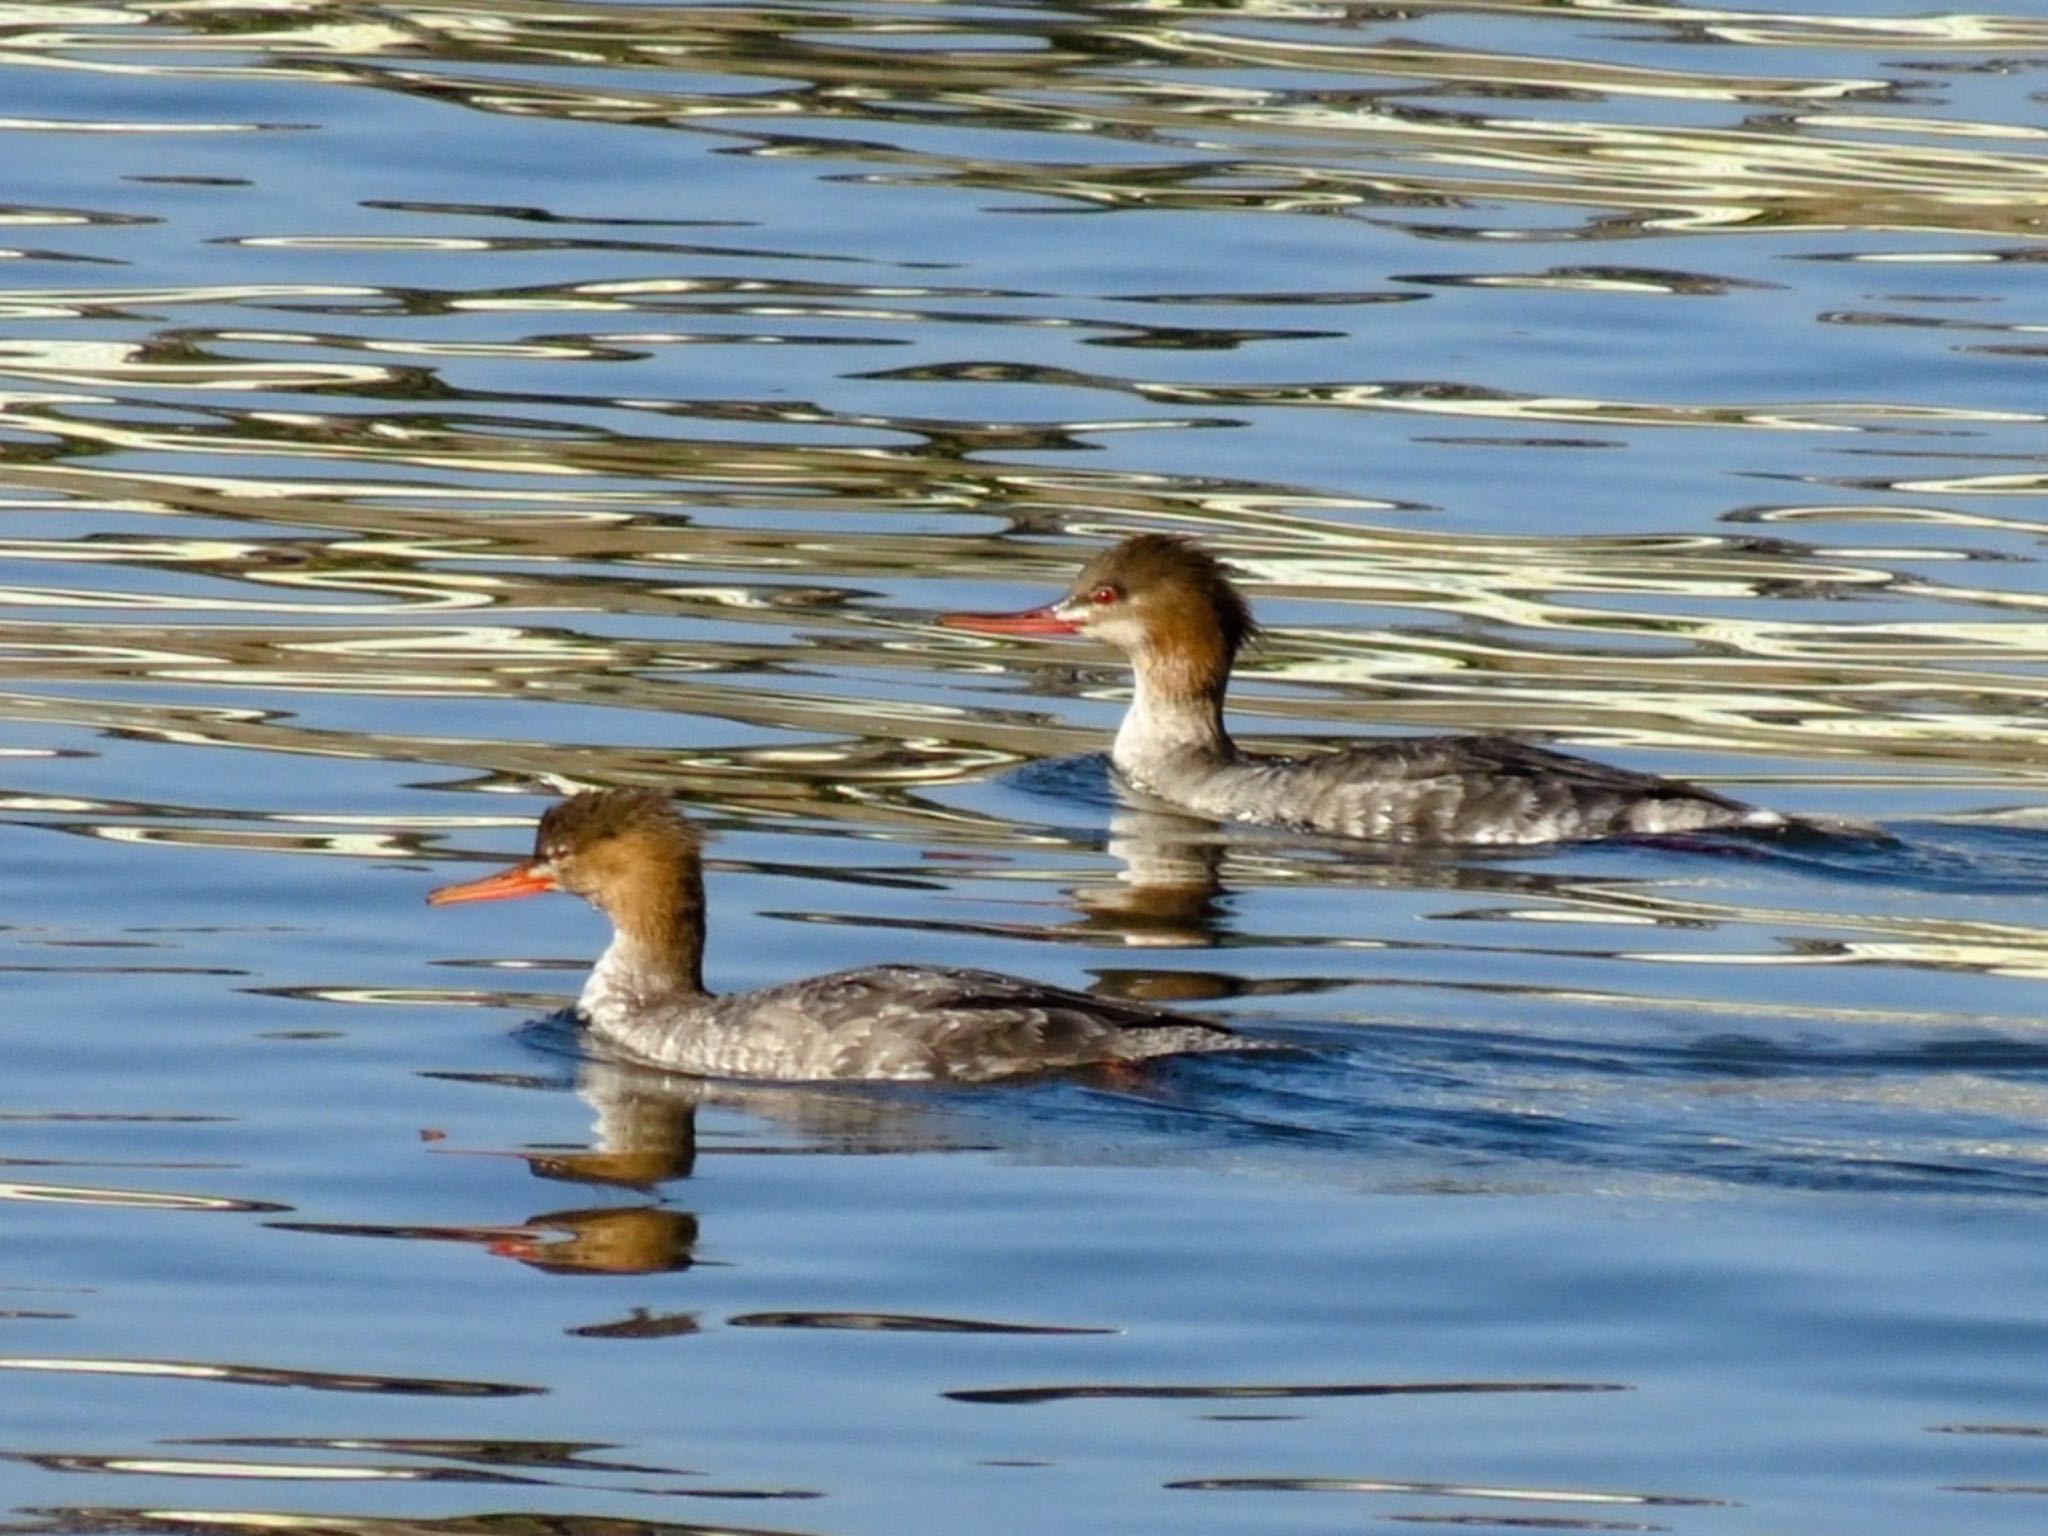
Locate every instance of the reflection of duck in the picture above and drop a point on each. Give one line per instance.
(643, 1137)
(1168, 606)
(608, 1240)
(1168, 891)
(629, 854)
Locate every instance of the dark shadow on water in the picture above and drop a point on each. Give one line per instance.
(1929, 856)
(1959, 856)
(1526, 1089)
(1084, 780)
(1378, 1105)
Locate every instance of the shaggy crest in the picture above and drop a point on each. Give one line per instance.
(597, 815)
(1163, 562)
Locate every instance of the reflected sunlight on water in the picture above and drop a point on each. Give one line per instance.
(407, 404)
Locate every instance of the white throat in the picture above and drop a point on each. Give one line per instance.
(1166, 724)
(621, 985)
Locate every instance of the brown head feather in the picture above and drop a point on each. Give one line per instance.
(629, 854)
(1153, 564)
(595, 816)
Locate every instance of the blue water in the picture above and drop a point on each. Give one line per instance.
(409, 413)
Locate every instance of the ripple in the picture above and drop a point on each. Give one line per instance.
(1030, 1395)
(129, 1199)
(115, 1520)
(184, 1466)
(612, 394)
(896, 1322)
(1443, 1490)
(552, 1455)
(264, 1376)
(1450, 398)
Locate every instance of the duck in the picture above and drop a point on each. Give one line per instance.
(1168, 605)
(630, 854)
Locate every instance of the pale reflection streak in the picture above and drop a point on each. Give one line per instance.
(130, 1199)
(547, 1455)
(1878, 693)
(1174, 871)
(2026, 484)
(189, 1466)
(348, 845)
(1465, 67)
(77, 125)
(475, 1462)
(120, 303)
(263, 1376)
(1442, 1490)
(559, 593)
(1968, 32)
(1473, 401)
(1805, 172)
(159, 1520)
(1964, 32)
(1765, 685)
(1799, 937)
(111, 364)
(1148, 913)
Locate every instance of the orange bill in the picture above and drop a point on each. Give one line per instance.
(519, 880)
(1033, 621)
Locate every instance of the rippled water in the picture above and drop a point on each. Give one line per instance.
(408, 411)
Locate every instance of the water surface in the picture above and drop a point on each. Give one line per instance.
(409, 412)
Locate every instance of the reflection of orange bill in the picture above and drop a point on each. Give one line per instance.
(519, 880)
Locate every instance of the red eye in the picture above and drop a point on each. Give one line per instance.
(1102, 597)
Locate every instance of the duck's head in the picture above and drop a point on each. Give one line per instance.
(1153, 593)
(621, 850)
